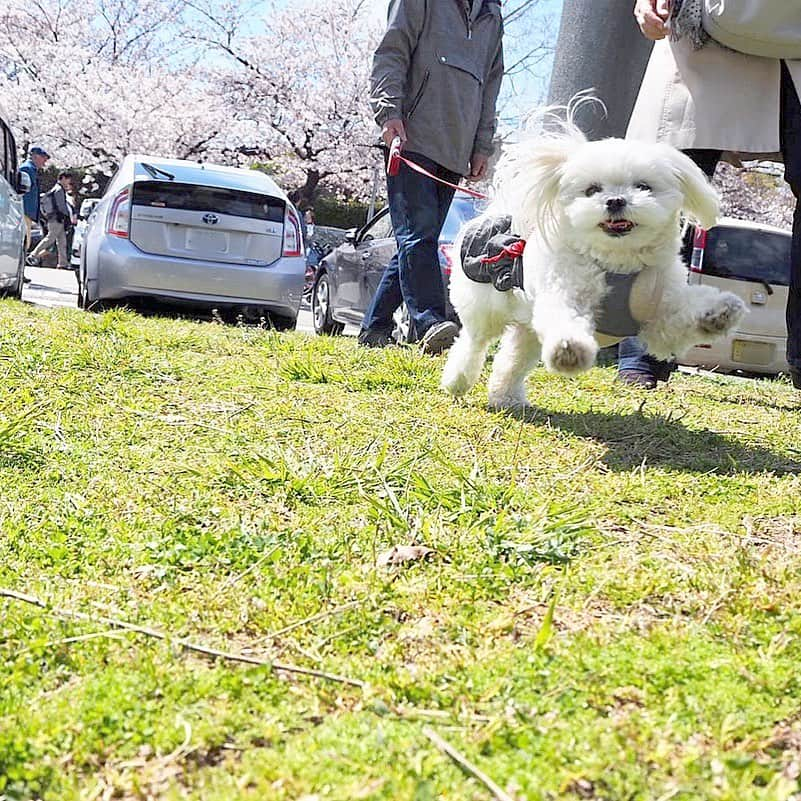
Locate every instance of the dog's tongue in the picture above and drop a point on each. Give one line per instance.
(618, 225)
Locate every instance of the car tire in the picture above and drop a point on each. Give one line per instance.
(322, 320)
(403, 325)
(17, 291)
(85, 301)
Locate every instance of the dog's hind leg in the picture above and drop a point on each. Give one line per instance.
(518, 355)
(465, 360)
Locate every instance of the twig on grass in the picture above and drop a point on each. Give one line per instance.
(71, 614)
(463, 763)
(313, 619)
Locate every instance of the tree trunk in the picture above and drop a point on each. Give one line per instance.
(303, 196)
(600, 47)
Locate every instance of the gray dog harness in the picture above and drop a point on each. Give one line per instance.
(492, 254)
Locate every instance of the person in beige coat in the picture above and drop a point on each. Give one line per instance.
(714, 102)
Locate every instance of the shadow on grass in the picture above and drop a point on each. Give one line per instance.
(631, 439)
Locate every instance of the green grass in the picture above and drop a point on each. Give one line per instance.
(610, 611)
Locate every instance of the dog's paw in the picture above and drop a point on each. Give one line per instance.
(723, 315)
(513, 402)
(569, 355)
(456, 383)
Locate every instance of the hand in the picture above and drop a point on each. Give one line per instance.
(391, 129)
(652, 16)
(478, 167)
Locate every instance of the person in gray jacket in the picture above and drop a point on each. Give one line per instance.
(434, 85)
(55, 209)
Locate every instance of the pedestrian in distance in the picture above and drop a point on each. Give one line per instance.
(37, 159)
(723, 81)
(434, 86)
(56, 211)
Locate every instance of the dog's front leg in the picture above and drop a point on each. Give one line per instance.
(566, 333)
(689, 315)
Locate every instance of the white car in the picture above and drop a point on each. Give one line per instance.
(13, 185)
(88, 205)
(753, 261)
(199, 234)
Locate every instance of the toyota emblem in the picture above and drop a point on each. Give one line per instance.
(211, 219)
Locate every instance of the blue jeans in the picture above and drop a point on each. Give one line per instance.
(632, 352)
(418, 207)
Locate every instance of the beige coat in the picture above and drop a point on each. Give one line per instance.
(710, 98)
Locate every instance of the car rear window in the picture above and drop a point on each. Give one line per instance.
(189, 197)
(748, 254)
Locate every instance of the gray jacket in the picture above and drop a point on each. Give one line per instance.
(439, 69)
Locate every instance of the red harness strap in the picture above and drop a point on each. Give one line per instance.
(513, 251)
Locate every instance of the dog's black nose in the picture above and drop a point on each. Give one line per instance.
(616, 203)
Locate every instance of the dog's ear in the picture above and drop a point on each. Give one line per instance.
(529, 183)
(701, 200)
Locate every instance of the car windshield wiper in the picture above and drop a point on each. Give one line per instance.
(768, 287)
(156, 171)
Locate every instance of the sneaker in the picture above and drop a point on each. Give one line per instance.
(439, 337)
(375, 339)
(635, 378)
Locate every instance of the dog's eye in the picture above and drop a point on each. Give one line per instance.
(592, 189)
(643, 187)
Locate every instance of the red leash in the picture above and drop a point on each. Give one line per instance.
(394, 162)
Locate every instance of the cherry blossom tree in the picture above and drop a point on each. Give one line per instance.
(297, 90)
(96, 80)
(755, 192)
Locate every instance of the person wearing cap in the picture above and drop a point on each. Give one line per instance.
(434, 86)
(57, 212)
(37, 159)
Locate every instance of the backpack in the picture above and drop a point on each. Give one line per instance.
(47, 203)
(768, 28)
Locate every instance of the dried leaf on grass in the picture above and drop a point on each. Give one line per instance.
(402, 554)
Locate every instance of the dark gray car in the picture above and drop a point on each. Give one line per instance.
(347, 278)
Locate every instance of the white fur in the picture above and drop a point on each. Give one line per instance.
(543, 184)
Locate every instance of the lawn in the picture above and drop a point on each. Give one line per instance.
(609, 608)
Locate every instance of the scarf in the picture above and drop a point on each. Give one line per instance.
(686, 20)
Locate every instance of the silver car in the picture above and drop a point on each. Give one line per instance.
(199, 234)
(13, 184)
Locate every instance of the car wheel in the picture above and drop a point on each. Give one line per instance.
(322, 320)
(85, 300)
(17, 291)
(403, 325)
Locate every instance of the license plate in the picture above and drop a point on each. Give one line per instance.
(208, 241)
(748, 352)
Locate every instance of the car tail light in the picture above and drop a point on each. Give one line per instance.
(447, 257)
(699, 244)
(293, 245)
(119, 218)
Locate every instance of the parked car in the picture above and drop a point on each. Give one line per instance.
(347, 277)
(13, 185)
(753, 261)
(88, 205)
(199, 234)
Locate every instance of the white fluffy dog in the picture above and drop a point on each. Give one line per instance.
(585, 209)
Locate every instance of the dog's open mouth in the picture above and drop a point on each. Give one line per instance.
(617, 227)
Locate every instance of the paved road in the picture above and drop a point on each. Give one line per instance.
(49, 287)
